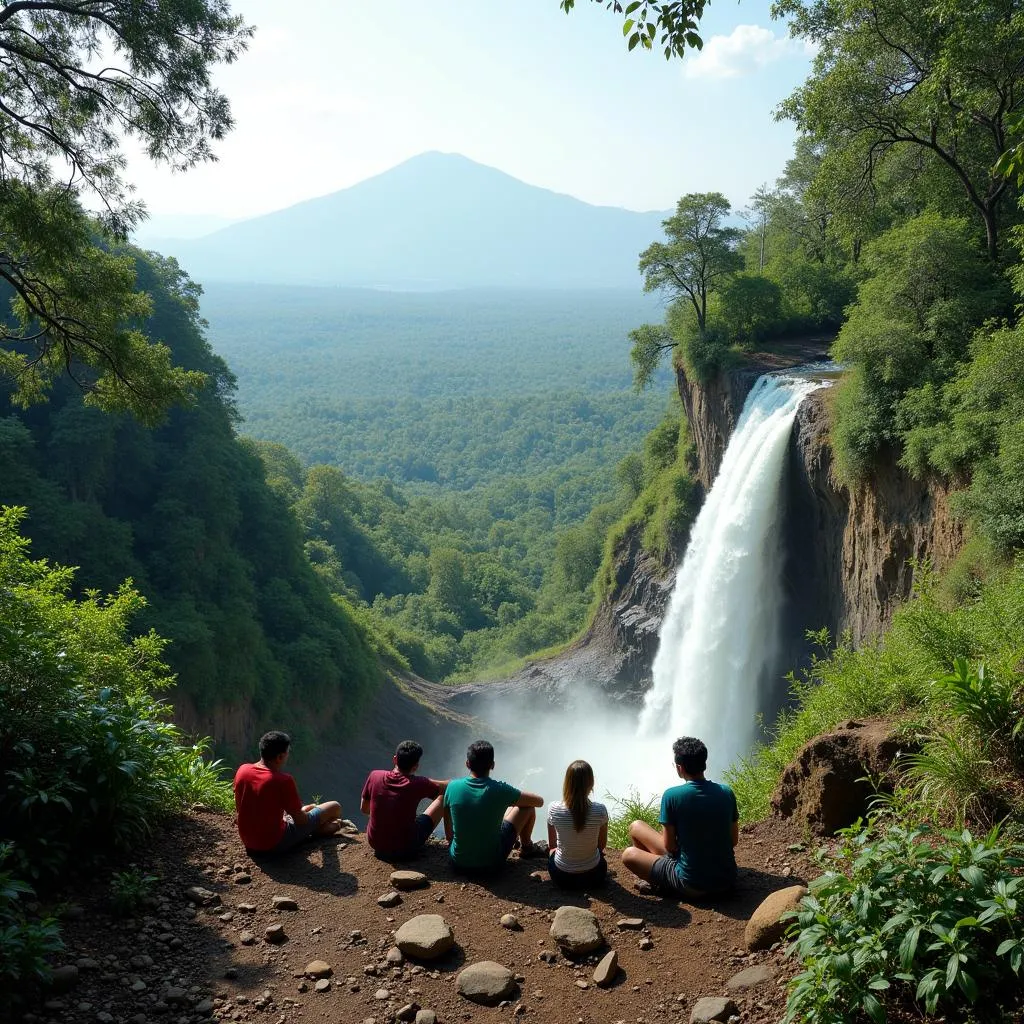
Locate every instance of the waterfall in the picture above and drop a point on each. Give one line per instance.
(718, 653)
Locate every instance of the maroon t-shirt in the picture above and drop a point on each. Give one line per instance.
(394, 798)
(262, 798)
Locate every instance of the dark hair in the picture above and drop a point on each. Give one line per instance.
(407, 755)
(690, 754)
(576, 789)
(480, 757)
(274, 744)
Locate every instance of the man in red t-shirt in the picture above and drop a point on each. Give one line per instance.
(271, 817)
(391, 798)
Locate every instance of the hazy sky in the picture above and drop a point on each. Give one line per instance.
(332, 92)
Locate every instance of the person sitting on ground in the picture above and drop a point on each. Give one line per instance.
(693, 855)
(485, 818)
(391, 798)
(271, 818)
(577, 832)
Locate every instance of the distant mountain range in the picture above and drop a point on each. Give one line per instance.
(436, 221)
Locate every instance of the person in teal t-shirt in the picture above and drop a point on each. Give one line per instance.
(693, 854)
(485, 818)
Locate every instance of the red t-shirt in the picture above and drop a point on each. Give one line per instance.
(262, 799)
(394, 798)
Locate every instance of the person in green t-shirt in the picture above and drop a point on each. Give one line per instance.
(693, 854)
(485, 818)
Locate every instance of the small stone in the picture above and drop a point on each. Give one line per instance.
(275, 933)
(63, 978)
(486, 983)
(382, 994)
(712, 1008)
(538, 876)
(201, 897)
(632, 924)
(247, 908)
(389, 899)
(750, 977)
(176, 996)
(139, 986)
(408, 1012)
(395, 957)
(426, 1017)
(425, 937)
(318, 969)
(232, 972)
(510, 921)
(580, 983)
(242, 878)
(646, 943)
(406, 880)
(246, 939)
(607, 970)
(203, 1007)
(283, 903)
(576, 931)
(323, 985)
(226, 917)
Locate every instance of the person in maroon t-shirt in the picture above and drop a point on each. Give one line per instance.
(391, 798)
(271, 817)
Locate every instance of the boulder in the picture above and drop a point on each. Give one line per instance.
(766, 926)
(486, 983)
(750, 977)
(607, 970)
(713, 1008)
(825, 784)
(405, 880)
(577, 931)
(426, 937)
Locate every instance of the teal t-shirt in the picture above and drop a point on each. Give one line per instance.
(477, 807)
(702, 813)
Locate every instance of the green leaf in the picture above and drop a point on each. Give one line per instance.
(1005, 946)
(873, 1008)
(952, 970)
(627, 26)
(633, 40)
(878, 983)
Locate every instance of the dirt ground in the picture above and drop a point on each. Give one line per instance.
(180, 963)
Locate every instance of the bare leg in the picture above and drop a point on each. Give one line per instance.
(523, 820)
(329, 821)
(436, 810)
(646, 849)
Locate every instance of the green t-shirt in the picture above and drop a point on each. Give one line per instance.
(477, 807)
(702, 814)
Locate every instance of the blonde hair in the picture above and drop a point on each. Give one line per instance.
(576, 790)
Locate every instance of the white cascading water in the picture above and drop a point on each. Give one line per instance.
(719, 643)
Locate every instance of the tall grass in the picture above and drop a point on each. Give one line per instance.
(627, 809)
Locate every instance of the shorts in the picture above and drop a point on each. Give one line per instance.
(597, 875)
(665, 878)
(296, 834)
(423, 829)
(507, 837)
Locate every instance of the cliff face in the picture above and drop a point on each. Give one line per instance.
(864, 542)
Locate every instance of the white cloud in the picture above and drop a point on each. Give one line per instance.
(746, 49)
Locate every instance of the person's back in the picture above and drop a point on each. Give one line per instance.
(577, 832)
(702, 813)
(391, 799)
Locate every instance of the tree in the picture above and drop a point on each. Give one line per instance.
(945, 79)
(758, 215)
(698, 254)
(678, 21)
(80, 77)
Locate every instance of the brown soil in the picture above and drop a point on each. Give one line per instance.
(336, 883)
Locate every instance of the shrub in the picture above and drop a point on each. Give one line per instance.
(131, 889)
(632, 807)
(907, 915)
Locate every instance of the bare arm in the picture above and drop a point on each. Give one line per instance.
(449, 832)
(670, 839)
(529, 800)
(364, 806)
(442, 785)
(602, 837)
(552, 836)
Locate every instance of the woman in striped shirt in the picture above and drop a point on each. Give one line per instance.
(577, 832)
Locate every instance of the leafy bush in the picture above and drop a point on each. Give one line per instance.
(907, 915)
(130, 890)
(629, 808)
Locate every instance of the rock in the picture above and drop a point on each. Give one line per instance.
(750, 977)
(607, 970)
(247, 908)
(765, 926)
(646, 943)
(486, 983)
(426, 1017)
(175, 995)
(318, 969)
(408, 1012)
(633, 924)
(63, 978)
(206, 1006)
(576, 931)
(246, 938)
(242, 878)
(283, 903)
(826, 785)
(395, 957)
(426, 937)
(275, 934)
(510, 921)
(201, 897)
(538, 876)
(389, 899)
(406, 880)
(713, 1008)
(323, 985)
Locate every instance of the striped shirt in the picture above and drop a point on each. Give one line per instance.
(577, 851)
